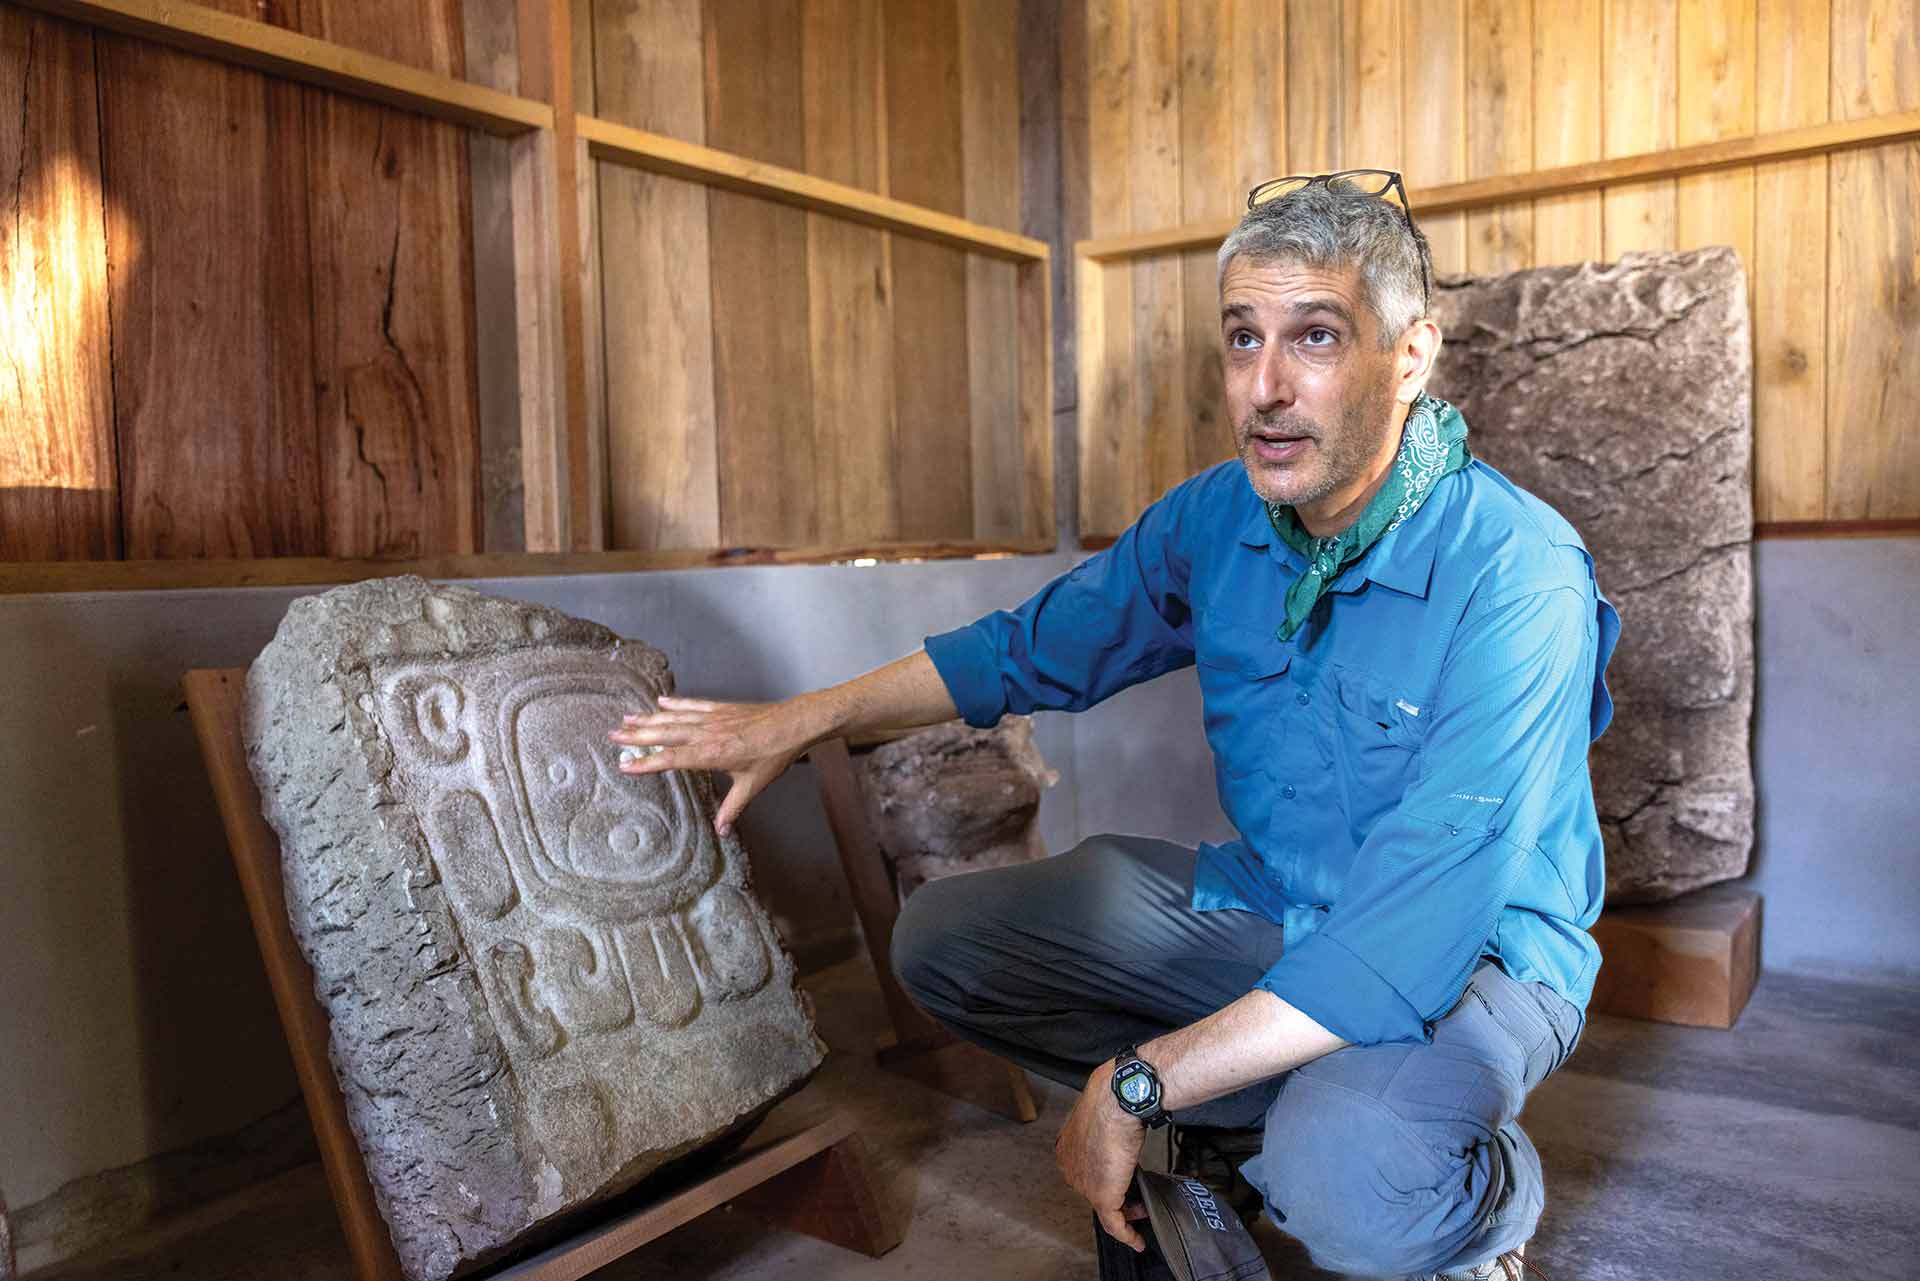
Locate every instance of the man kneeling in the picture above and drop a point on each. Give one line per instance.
(1401, 658)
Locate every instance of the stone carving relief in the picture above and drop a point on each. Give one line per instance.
(544, 978)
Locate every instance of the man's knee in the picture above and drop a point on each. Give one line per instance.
(1366, 1195)
(930, 946)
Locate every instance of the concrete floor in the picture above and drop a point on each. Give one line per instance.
(1786, 1147)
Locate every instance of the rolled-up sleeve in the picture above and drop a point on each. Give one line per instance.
(1512, 720)
(1117, 618)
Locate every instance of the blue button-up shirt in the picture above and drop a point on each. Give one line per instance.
(1408, 773)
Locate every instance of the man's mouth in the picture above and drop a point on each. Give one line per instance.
(1272, 445)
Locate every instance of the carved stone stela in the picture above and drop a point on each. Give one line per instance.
(545, 978)
(1622, 393)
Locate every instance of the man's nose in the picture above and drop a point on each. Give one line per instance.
(1272, 380)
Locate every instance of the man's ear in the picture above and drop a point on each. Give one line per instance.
(1419, 348)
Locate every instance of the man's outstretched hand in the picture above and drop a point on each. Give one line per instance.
(752, 742)
(1097, 1151)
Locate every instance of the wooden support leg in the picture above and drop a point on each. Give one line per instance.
(963, 1071)
(830, 1196)
(918, 1048)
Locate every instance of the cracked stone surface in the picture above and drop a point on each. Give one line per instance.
(952, 798)
(1622, 394)
(544, 978)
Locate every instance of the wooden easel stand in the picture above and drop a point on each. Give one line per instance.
(814, 1181)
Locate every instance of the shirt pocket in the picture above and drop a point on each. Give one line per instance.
(1241, 669)
(1377, 731)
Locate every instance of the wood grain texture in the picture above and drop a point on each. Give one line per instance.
(1873, 272)
(1112, 479)
(656, 284)
(1371, 101)
(392, 300)
(932, 377)
(763, 391)
(849, 286)
(492, 57)
(1499, 59)
(214, 361)
(1567, 98)
(1717, 61)
(1640, 71)
(990, 182)
(58, 468)
(1209, 188)
(1257, 55)
(1316, 84)
(1788, 284)
(1158, 361)
(1435, 125)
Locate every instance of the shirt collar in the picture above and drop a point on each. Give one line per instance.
(1401, 560)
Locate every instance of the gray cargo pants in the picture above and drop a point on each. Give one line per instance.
(1384, 1160)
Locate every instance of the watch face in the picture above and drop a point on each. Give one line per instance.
(1135, 1086)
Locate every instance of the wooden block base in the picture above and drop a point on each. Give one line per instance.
(1692, 960)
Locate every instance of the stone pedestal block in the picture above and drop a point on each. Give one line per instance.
(1622, 395)
(954, 799)
(544, 978)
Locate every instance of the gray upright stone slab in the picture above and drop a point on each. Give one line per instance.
(1622, 395)
(544, 978)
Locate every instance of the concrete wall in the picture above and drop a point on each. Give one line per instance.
(1837, 755)
(133, 1014)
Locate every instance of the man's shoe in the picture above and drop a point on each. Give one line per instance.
(1214, 1155)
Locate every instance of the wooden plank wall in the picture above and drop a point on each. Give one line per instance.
(775, 377)
(239, 311)
(1449, 90)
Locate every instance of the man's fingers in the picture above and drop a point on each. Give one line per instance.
(736, 800)
(688, 704)
(1133, 1211)
(1119, 1229)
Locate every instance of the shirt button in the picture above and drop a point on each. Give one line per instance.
(1287, 791)
(1301, 699)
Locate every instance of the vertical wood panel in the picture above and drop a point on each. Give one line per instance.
(1566, 127)
(1209, 190)
(656, 295)
(1259, 68)
(1789, 283)
(214, 360)
(1112, 478)
(1499, 127)
(1873, 285)
(1639, 71)
(57, 462)
(1159, 371)
(1435, 122)
(1316, 84)
(932, 395)
(1717, 62)
(990, 152)
(393, 300)
(850, 318)
(492, 56)
(1370, 125)
(763, 395)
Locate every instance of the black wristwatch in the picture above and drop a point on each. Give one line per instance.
(1136, 1087)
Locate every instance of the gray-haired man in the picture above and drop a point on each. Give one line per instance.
(1400, 655)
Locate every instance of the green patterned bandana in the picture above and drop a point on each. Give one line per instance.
(1433, 444)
